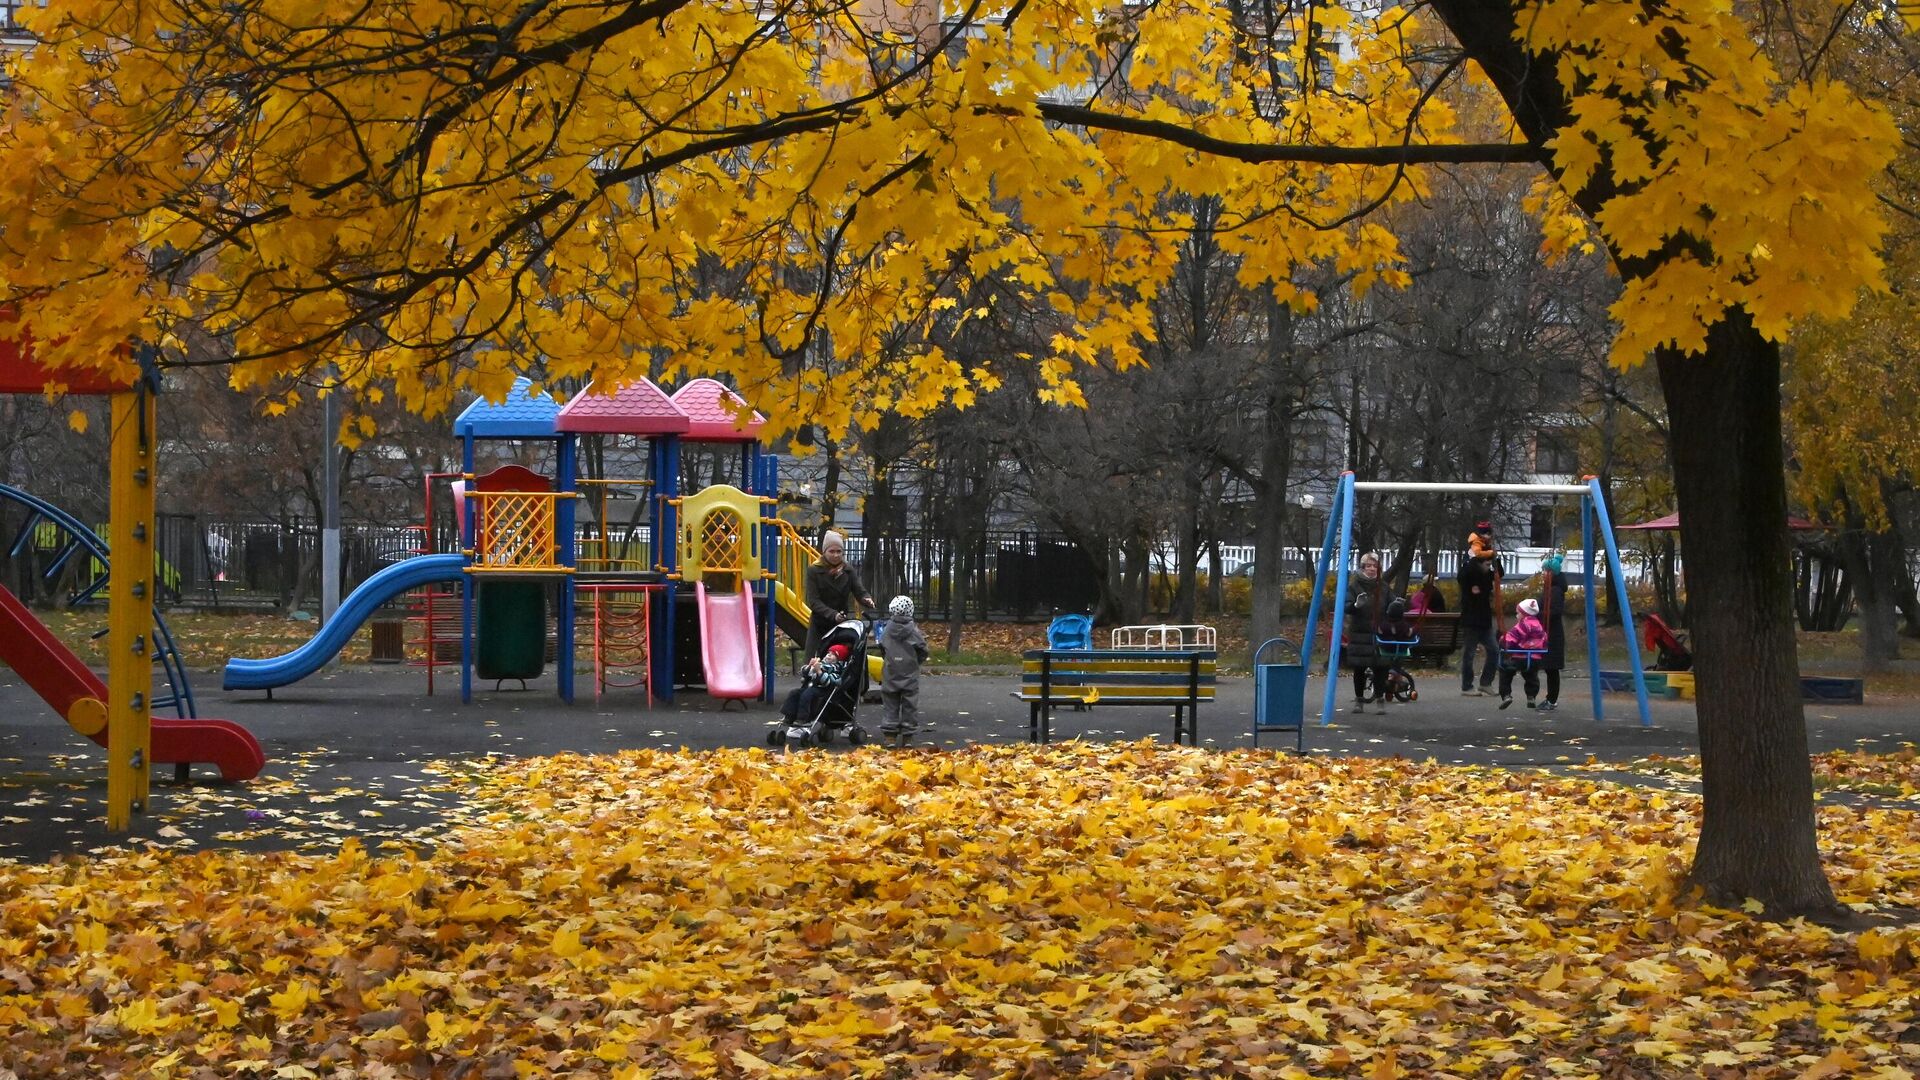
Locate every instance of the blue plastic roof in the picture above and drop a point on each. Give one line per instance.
(520, 416)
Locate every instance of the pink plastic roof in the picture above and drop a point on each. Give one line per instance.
(1671, 523)
(636, 408)
(706, 403)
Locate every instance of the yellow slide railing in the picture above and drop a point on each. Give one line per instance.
(790, 574)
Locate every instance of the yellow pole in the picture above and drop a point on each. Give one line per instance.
(129, 606)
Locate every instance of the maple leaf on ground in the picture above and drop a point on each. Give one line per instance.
(1077, 909)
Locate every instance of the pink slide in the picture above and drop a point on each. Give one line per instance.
(51, 670)
(729, 643)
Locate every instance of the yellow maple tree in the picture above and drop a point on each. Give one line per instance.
(435, 197)
(441, 197)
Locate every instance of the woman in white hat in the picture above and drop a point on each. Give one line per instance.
(832, 590)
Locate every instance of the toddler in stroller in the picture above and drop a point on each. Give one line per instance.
(828, 697)
(1395, 638)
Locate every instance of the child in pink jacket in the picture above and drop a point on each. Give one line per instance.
(1520, 649)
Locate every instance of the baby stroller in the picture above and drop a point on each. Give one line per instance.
(828, 697)
(1396, 653)
(1670, 647)
(1393, 644)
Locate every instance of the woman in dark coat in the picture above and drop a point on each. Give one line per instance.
(832, 588)
(1366, 601)
(1553, 609)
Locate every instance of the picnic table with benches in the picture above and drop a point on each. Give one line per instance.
(1180, 678)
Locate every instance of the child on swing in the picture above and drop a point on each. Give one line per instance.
(1520, 650)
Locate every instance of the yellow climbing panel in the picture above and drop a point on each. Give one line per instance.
(720, 533)
(515, 532)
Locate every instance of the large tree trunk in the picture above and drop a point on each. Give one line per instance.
(1871, 561)
(1186, 583)
(1723, 410)
(1906, 596)
(1757, 835)
(829, 491)
(1270, 507)
(1879, 611)
(957, 609)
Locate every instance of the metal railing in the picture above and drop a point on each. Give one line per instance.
(600, 544)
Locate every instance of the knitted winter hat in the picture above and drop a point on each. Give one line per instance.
(900, 607)
(838, 652)
(1530, 606)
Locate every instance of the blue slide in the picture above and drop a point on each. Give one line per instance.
(354, 610)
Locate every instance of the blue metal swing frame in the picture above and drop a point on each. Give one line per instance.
(1593, 517)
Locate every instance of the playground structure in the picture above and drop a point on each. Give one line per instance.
(1593, 516)
(117, 714)
(695, 602)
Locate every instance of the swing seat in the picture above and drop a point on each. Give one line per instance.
(1520, 659)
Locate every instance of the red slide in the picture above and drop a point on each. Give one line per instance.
(78, 695)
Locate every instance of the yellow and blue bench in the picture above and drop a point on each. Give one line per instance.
(1176, 678)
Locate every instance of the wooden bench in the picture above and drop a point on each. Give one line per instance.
(1181, 678)
(1439, 634)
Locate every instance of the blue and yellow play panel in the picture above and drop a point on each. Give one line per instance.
(1679, 686)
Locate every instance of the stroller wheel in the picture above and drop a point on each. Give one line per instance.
(776, 736)
(857, 735)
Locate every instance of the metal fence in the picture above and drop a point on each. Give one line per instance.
(1239, 560)
(999, 574)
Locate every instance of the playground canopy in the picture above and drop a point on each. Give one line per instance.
(522, 414)
(1671, 523)
(632, 408)
(717, 414)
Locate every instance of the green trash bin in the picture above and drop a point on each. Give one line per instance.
(1279, 692)
(511, 638)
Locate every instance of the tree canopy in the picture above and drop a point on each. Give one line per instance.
(436, 196)
(803, 198)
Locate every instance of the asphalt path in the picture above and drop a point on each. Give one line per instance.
(352, 752)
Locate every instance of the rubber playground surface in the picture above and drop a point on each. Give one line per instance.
(365, 752)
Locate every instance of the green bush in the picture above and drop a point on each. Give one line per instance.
(1236, 596)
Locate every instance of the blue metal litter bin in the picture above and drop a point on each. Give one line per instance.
(1279, 692)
